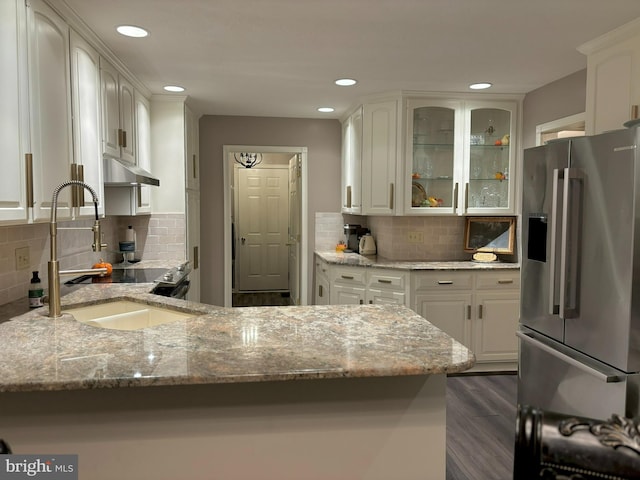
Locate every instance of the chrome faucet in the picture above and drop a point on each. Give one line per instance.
(54, 267)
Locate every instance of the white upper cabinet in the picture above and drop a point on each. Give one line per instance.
(489, 158)
(118, 114)
(143, 148)
(50, 99)
(192, 172)
(135, 200)
(434, 156)
(379, 157)
(85, 85)
(14, 135)
(613, 78)
(461, 156)
(352, 163)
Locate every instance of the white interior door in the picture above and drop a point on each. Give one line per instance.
(262, 262)
(294, 227)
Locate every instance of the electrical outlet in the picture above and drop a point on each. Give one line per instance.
(415, 237)
(22, 258)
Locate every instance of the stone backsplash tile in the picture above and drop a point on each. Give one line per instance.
(158, 237)
(443, 237)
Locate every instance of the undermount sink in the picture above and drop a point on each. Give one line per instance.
(125, 315)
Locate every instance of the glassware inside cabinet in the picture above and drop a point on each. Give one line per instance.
(433, 157)
(489, 157)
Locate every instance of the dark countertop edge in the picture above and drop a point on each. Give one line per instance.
(357, 260)
(109, 383)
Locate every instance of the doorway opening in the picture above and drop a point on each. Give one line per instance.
(571, 126)
(265, 240)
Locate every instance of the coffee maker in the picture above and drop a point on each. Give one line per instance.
(352, 234)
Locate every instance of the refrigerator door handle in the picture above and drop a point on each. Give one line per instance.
(604, 377)
(569, 245)
(554, 307)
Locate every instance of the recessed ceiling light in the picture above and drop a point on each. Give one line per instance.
(132, 31)
(326, 109)
(346, 82)
(480, 86)
(173, 88)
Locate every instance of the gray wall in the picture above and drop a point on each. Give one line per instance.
(323, 138)
(564, 97)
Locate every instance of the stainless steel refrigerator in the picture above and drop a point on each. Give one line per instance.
(579, 331)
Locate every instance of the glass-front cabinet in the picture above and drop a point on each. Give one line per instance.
(436, 129)
(460, 157)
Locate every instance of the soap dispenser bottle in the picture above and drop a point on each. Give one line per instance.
(36, 292)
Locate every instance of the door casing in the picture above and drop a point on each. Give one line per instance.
(228, 151)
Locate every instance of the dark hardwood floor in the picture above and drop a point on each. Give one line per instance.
(481, 413)
(261, 299)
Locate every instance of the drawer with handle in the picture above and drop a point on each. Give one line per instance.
(443, 280)
(387, 278)
(503, 279)
(348, 275)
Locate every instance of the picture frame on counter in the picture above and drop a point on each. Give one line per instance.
(490, 234)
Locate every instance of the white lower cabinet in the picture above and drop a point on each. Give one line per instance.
(387, 286)
(479, 309)
(348, 285)
(450, 312)
(322, 286)
(347, 295)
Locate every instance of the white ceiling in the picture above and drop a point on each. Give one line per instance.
(280, 57)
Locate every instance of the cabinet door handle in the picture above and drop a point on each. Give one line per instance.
(383, 281)
(347, 277)
(196, 257)
(391, 187)
(120, 137)
(466, 196)
(361, 302)
(348, 203)
(139, 195)
(77, 192)
(468, 312)
(320, 292)
(370, 302)
(28, 157)
(445, 282)
(195, 167)
(124, 139)
(505, 281)
(455, 197)
(480, 311)
(80, 174)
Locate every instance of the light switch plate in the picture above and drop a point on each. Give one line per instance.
(22, 258)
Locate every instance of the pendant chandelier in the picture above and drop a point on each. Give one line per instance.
(248, 160)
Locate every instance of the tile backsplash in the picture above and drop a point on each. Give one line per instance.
(160, 236)
(442, 237)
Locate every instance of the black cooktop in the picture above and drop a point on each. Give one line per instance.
(122, 275)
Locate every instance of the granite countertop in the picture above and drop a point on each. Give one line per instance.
(219, 345)
(355, 259)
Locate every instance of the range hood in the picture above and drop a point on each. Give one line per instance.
(121, 174)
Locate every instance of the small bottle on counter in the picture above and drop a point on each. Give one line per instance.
(128, 245)
(36, 292)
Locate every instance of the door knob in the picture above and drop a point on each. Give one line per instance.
(243, 240)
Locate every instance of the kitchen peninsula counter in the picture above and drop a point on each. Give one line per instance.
(219, 345)
(319, 392)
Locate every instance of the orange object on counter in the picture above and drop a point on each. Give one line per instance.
(103, 264)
